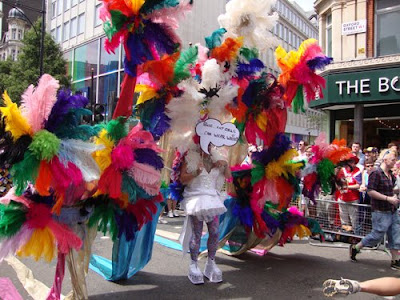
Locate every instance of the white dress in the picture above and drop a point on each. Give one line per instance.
(202, 198)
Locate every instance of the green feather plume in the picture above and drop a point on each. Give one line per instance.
(257, 172)
(12, 217)
(117, 129)
(152, 5)
(181, 70)
(326, 170)
(248, 53)
(25, 172)
(45, 145)
(215, 39)
(134, 191)
(298, 100)
(104, 217)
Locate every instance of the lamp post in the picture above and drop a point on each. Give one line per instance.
(43, 29)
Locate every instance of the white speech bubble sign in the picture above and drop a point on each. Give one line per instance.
(212, 131)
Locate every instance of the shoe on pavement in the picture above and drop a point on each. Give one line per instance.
(212, 272)
(161, 220)
(332, 287)
(195, 276)
(395, 265)
(175, 213)
(170, 214)
(353, 252)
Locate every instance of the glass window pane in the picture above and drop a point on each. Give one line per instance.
(386, 3)
(388, 39)
(108, 62)
(85, 60)
(108, 92)
(81, 23)
(329, 42)
(66, 31)
(73, 27)
(68, 57)
(97, 20)
(85, 88)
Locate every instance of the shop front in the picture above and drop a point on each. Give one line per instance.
(363, 102)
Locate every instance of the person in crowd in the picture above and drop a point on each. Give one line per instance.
(306, 206)
(364, 211)
(301, 150)
(385, 217)
(172, 212)
(349, 195)
(383, 286)
(393, 147)
(203, 176)
(356, 150)
(250, 150)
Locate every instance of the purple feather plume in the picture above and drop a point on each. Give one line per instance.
(127, 224)
(149, 157)
(319, 62)
(245, 215)
(279, 146)
(65, 102)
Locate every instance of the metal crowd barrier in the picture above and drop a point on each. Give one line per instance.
(327, 212)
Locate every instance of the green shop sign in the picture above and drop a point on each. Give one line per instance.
(381, 85)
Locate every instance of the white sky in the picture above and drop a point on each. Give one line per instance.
(307, 5)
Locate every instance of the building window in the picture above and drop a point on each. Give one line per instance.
(97, 20)
(53, 9)
(81, 23)
(58, 34)
(53, 34)
(387, 27)
(67, 4)
(59, 7)
(285, 34)
(66, 31)
(328, 44)
(74, 2)
(19, 34)
(13, 33)
(74, 26)
(13, 54)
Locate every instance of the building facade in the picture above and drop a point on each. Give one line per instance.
(15, 20)
(293, 27)
(76, 26)
(362, 91)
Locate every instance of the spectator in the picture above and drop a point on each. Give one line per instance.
(384, 286)
(392, 147)
(385, 218)
(307, 207)
(308, 153)
(365, 212)
(356, 150)
(349, 195)
(301, 149)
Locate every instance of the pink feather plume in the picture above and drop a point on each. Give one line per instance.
(171, 15)
(146, 177)
(37, 102)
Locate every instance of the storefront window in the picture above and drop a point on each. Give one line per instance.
(108, 61)
(86, 60)
(387, 24)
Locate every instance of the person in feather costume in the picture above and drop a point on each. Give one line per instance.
(50, 157)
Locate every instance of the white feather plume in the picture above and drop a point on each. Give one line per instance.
(80, 153)
(216, 106)
(211, 74)
(251, 19)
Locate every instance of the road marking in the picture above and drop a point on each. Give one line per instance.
(167, 234)
(35, 288)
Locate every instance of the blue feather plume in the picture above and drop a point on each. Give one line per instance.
(176, 191)
(245, 214)
(215, 39)
(127, 224)
(245, 70)
(279, 146)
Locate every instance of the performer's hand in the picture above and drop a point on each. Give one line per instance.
(221, 164)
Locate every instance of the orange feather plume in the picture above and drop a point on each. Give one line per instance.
(228, 50)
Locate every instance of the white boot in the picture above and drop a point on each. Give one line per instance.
(195, 275)
(212, 272)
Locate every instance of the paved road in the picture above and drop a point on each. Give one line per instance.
(295, 271)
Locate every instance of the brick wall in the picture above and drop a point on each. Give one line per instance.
(370, 28)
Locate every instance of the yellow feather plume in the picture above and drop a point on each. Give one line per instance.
(282, 167)
(15, 122)
(135, 5)
(262, 121)
(40, 244)
(103, 157)
(302, 231)
(146, 93)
